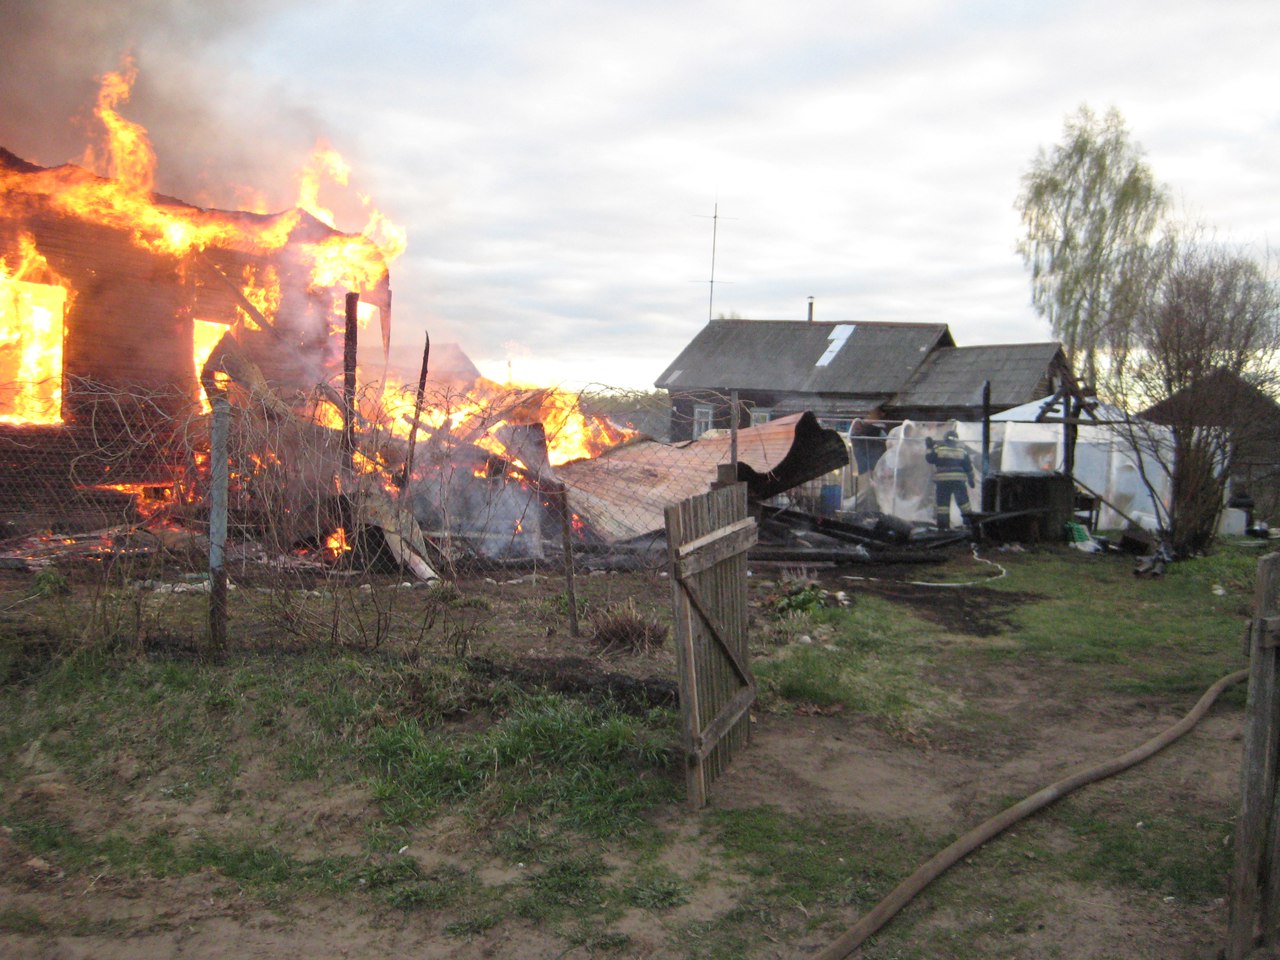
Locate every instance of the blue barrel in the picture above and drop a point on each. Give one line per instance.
(830, 500)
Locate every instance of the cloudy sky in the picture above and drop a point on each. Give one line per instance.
(556, 163)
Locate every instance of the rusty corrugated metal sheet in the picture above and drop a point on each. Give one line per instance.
(622, 494)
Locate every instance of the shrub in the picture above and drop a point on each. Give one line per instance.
(622, 627)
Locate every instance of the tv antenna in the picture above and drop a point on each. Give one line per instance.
(711, 284)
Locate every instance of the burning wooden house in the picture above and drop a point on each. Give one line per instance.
(108, 290)
(113, 300)
(123, 312)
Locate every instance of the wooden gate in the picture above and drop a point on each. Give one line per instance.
(708, 537)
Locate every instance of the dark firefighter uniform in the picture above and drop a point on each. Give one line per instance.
(953, 474)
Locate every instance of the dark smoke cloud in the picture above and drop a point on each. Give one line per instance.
(213, 126)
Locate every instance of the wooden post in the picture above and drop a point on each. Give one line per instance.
(349, 380)
(1253, 909)
(566, 534)
(733, 428)
(218, 479)
(417, 412)
(1071, 410)
(986, 431)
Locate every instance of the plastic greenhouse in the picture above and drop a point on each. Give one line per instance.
(892, 476)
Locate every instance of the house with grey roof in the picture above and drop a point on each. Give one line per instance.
(847, 371)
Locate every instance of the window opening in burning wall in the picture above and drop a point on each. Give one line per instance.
(205, 335)
(31, 330)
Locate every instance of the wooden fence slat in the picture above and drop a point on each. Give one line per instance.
(1256, 834)
(714, 548)
(695, 785)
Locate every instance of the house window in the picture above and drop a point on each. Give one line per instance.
(701, 419)
(760, 415)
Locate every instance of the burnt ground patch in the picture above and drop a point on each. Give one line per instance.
(971, 609)
(582, 677)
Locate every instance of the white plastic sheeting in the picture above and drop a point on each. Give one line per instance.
(1106, 464)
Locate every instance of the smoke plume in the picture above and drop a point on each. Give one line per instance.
(213, 126)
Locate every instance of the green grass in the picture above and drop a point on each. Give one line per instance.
(158, 854)
(654, 887)
(1167, 635)
(595, 769)
(401, 883)
(24, 920)
(1134, 846)
(805, 867)
(867, 658)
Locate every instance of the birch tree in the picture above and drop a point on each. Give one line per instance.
(1090, 206)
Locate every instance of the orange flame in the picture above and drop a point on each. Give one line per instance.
(479, 416)
(324, 162)
(130, 159)
(335, 545)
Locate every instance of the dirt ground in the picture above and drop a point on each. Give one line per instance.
(803, 761)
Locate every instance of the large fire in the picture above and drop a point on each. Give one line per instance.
(31, 311)
(252, 292)
(31, 321)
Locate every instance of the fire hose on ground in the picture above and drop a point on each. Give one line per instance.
(929, 871)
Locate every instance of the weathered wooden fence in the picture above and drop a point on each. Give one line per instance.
(708, 537)
(1255, 880)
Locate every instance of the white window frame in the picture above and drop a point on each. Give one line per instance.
(703, 418)
(760, 415)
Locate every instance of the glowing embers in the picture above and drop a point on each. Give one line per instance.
(336, 545)
(148, 499)
(30, 351)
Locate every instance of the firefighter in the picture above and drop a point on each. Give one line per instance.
(952, 468)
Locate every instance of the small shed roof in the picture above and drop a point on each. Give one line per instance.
(804, 357)
(953, 376)
(1220, 399)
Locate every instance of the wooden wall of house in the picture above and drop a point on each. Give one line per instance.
(683, 404)
(128, 323)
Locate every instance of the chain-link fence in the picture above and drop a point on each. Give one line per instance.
(455, 484)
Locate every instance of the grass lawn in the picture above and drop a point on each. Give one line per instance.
(377, 776)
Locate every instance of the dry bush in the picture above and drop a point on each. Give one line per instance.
(621, 627)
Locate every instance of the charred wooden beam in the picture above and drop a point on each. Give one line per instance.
(349, 379)
(417, 414)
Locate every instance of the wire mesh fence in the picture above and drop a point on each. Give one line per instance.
(343, 516)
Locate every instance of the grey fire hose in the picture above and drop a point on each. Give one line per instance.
(906, 891)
